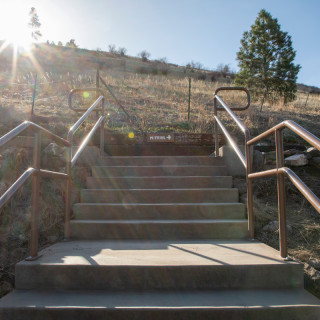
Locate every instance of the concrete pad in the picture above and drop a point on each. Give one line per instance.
(164, 253)
(155, 265)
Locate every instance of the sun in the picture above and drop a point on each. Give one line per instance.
(20, 38)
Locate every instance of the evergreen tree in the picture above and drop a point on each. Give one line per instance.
(34, 24)
(266, 59)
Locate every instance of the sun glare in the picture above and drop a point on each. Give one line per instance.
(20, 38)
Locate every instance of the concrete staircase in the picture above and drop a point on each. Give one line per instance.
(155, 238)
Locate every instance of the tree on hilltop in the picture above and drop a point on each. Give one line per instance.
(34, 24)
(266, 59)
(72, 44)
(144, 55)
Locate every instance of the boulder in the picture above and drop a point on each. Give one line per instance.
(54, 150)
(313, 152)
(273, 226)
(291, 152)
(297, 160)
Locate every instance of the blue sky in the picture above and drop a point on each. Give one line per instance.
(204, 31)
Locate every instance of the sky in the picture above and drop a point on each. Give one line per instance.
(204, 31)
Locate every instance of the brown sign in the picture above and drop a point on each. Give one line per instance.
(160, 137)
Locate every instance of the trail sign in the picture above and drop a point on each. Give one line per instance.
(160, 137)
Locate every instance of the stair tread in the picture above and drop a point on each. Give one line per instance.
(159, 253)
(193, 221)
(161, 204)
(39, 299)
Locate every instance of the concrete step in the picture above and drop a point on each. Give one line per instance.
(161, 161)
(173, 170)
(146, 305)
(159, 182)
(155, 265)
(159, 229)
(209, 195)
(158, 211)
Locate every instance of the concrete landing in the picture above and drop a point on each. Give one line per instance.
(154, 265)
(163, 253)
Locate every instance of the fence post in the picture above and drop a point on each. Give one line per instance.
(34, 93)
(281, 196)
(189, 99)
(35, 199)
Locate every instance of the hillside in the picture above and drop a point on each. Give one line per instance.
(155, 94)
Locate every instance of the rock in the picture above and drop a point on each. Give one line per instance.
(54, 150)
(313, 152)
(314, 263)
(258, 161)
(315, 162)
(291, 152)
(273, 226)
(297, 160)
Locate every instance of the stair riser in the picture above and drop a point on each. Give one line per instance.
(84, 313)
(159, 182)
(161, 161)
(159, 171)
(154, 212)
(97, 277)
(160, 196)
(158, 231)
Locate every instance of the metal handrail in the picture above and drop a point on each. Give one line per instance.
(245, 159)
(235, 89)
(28, 124)
(35, 172)
(73, 91)
(86, 140)
(282, 171)
(72, 160)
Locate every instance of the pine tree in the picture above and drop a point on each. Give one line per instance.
(266, 59)
(34, 24)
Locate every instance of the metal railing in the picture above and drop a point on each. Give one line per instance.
(281, 171)
(71, 160)
(36, 172)
(245, 159)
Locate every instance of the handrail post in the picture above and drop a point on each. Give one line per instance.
(281, 195)
(67, 232)
(35, 199)
(102, 130)
(216, 138)
(249, 189)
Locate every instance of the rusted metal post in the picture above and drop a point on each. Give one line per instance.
(35, 199)
(216, 138)
(281, 196)
(249, 189)
(67, 232)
